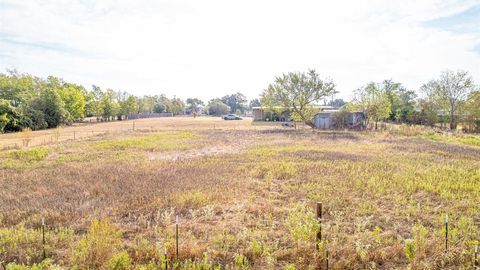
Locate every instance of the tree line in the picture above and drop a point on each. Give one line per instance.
(30, 102)
(451, 99)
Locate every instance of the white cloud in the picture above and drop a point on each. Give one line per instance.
(211, 48)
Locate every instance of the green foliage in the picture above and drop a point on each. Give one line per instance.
(302, 223)
(120, 261)
(410, 250)
(98, 247)
(24, 245)
(194, 105)
(449, 93)
(241, 262)
(374, 102)
(236, 102)
(298, 93)
(46, 264)
(163, 141)
(217, 107)
(3, 121)
(30, 155)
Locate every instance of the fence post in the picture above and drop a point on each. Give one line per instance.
(176, 235)
(43, 239)
(475, 258)
(319, 218)
(326, 255)
(133, 128)
(74, 135)
(166, 259)
(446, 232)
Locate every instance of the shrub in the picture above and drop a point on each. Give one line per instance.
(410, 250)
(98, 247)
(121, 261)
(302, 223)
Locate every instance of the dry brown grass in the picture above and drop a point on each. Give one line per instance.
(248, 194)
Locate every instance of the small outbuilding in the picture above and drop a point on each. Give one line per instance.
(339, 119)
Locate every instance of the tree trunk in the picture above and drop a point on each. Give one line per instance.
(453, 124)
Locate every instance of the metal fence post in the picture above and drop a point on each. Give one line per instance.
(319, 218)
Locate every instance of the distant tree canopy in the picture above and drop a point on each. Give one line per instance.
(299, 93)
(254, 103)
(217, 107)
(373, 100)
(337, 103)
(450, 93)
(35, 103)
(236, 102)
(194, 105)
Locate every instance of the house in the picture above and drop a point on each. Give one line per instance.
(278, 113)
(338, 119)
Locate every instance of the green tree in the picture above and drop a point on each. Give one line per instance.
(402, 101)
(235, 102)
(254, 103)
(194, 105)
(74, 99)
(217, 107)
(52, 106)
(12, 119)
(3, 121)
(374, 102)
(108, 105)
(177, 106)
(450, 92)
(128, 106)
(17, 88)
(299, 93)
(472, 112)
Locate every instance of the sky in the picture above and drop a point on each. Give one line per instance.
(210, 48)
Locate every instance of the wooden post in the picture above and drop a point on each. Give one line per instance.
(475, 258)
(326, 255)
(446, 232)
(319, 218)
(43, 239)
(74, 135)
(176, 235)
(166, 259)
(133, 128)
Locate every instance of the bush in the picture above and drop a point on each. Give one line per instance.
(98, 247)
(302, 223)
(121, 261)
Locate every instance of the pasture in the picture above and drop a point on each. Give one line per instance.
(245, 195)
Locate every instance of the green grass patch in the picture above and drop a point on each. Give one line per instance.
(164, 141)
(30, 155)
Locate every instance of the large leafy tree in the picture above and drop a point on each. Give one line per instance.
(194, 105)
(402, 101)
(108, 104)
(217, 107)
(299, 93)
(449, 93)
(236, 102)
(373, 100)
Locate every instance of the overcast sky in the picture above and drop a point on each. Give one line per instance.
(207, 49)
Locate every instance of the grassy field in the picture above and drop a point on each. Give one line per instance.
(245, 196)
